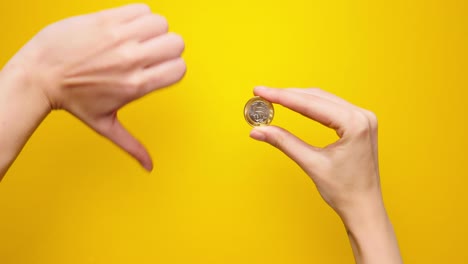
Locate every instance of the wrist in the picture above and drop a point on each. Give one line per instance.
(34, 73)
(367, 213)
(18, 85)
(368, 224)
(371, 233)
(22, 108)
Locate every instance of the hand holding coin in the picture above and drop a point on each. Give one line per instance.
(346, 172)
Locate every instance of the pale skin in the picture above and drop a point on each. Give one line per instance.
(92, 65)
(346, 172)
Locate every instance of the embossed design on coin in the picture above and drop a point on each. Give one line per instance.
(258, 112)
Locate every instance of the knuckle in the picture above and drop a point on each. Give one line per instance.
(373, 120)
(126, 57)
(114, 36)
(360, 124)
(102, 19)
(132, 84)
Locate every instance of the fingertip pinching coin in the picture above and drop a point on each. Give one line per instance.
(258, 112)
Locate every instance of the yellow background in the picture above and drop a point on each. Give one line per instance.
(216, 196)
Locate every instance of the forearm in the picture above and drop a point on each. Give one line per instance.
(22, 109)
(371, 235)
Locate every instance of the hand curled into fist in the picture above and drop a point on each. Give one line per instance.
(94, 64)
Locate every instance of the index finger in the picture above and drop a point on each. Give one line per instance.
(327, 113)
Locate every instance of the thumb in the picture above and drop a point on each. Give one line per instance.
(296, 149)
(112, 129)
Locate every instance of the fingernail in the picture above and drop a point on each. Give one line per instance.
(257, 135)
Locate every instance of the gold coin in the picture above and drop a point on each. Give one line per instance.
(258, 112)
